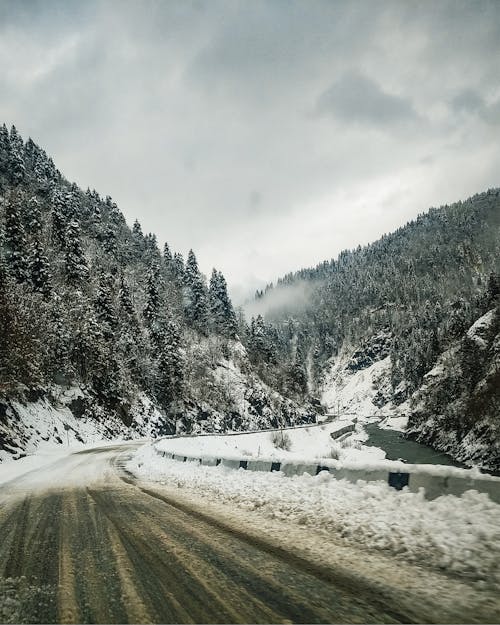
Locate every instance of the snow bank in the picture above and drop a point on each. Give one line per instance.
(52, 421)
(459, 534)
(38, 425)
(301, 444)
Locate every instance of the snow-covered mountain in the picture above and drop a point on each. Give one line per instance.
(457, 408)
(404, 326)
(104, 333)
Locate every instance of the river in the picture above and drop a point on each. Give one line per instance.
(397, 447)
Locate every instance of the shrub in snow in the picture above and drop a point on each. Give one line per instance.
(350, 443)
(334, 452)
(281, 440)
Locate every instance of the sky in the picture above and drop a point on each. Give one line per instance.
(267, 135)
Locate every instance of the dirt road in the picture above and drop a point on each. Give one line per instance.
(80, 541)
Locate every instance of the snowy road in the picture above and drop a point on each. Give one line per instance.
(82, 541)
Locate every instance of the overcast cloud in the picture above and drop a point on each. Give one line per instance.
(266, 135)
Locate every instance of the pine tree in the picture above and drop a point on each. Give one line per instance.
(16, 165)
(298, 372)
(109, 240)
(75, 262)
(151, 251)
(178, 268)
(195, 295)
(33, 217)
(59, 226)
(169, 382)
(59, 347)
(152, 309)
(15, 240)
(167, 255)
(39, 270)
(4, 148)
(104, 306)
(258, 342)
(137, 231)
(222, 317)
(125, 298)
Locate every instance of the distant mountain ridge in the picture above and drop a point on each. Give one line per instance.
(421, 287)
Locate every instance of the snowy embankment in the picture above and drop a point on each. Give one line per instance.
(56, 421)
(291, 444)
(457, 534)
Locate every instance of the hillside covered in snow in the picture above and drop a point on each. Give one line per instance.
(103, 335)
(404, 328)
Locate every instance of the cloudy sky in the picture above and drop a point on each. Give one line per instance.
(265, 134)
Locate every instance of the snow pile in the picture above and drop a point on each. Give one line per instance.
(458, 534)
(293, 444)
(26, 428)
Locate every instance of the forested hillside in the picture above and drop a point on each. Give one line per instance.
(409, 298)
(90, 306)
(101, 324)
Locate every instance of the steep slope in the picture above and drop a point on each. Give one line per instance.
(92, 307)
(375, 321)
(457, 408)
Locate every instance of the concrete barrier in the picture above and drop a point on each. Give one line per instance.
(340, 432)
(434, 484)
(231, 464)
(209, 462)
(259, 465)
(290, 468)
(353, 475)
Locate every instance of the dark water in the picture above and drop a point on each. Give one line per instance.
(398, 448)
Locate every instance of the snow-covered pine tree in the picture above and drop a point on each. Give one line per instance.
(125, 299)
(169, 381)
(75, 263)
(15, 159)
(178, 268)
(39, 269)
(195, 296)
(167, 255)
(152, 308)
(4, 151)
(15, 239)
(104, 306)
(222, 317)
(33, 217)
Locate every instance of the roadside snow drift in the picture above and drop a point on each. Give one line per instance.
(458, 534)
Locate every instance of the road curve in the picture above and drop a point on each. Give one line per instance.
(82, 542)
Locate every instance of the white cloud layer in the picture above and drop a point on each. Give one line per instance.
(267, 135)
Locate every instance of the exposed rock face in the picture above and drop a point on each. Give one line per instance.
(457, 409)
(371, 351)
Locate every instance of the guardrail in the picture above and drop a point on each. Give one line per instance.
(416, 476)
(242, 432)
